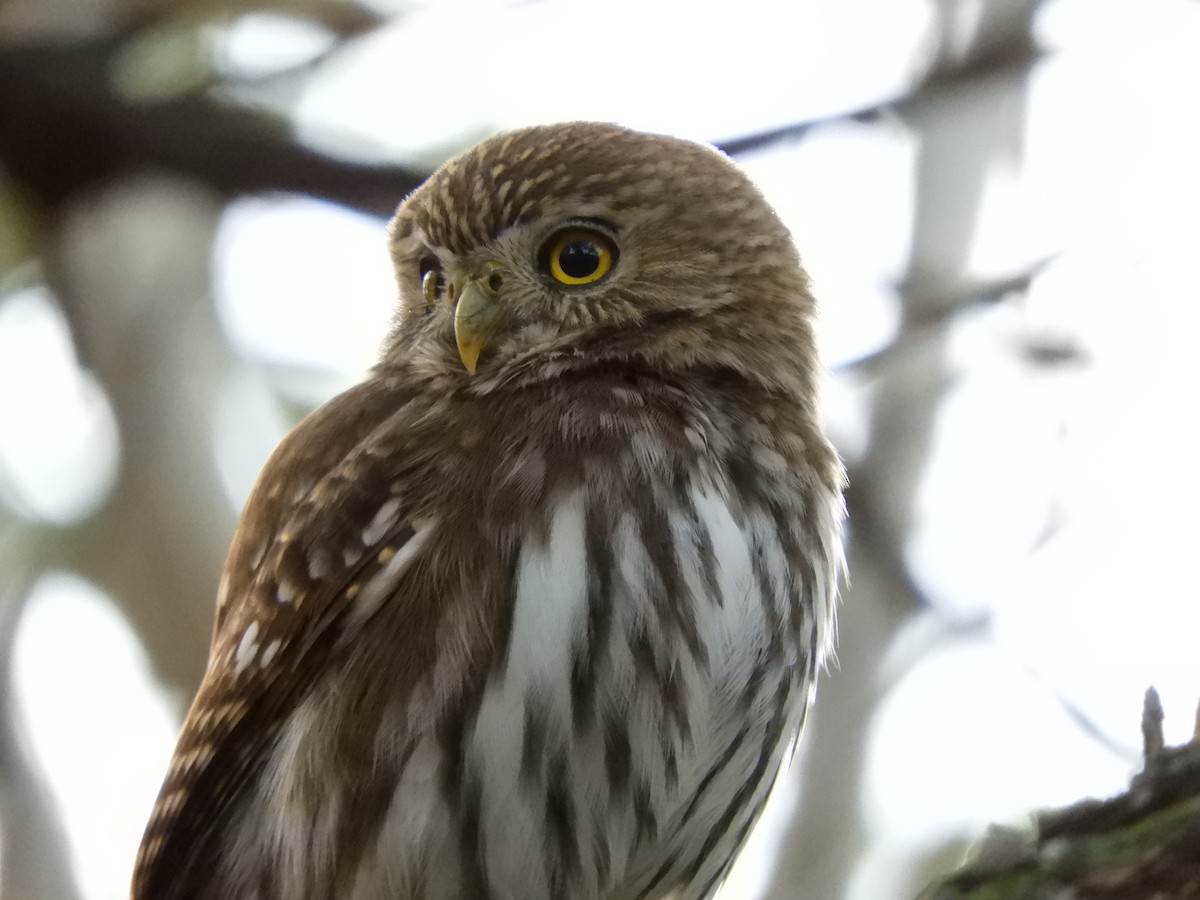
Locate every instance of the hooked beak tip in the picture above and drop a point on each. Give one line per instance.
(477, 319)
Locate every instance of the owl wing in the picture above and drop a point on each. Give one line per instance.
(325, 536)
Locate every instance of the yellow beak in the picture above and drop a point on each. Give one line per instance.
(477, 318)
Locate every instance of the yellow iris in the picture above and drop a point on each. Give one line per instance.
(578, 256)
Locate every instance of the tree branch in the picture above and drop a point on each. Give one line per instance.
(1141, 844)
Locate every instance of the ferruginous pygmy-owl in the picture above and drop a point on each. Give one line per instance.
(536, 610)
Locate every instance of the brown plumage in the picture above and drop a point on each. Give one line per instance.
(536, 610)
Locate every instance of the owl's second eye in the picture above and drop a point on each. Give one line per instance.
(433, 282)
(579, 256)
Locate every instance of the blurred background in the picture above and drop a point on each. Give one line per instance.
(999, 201)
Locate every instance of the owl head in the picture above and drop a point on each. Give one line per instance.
(587, 245)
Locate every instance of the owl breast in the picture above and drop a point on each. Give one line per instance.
(635, 726)
(659, 659)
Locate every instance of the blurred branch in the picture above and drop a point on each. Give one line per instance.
(1139, 844)
(965, 115)
(1000, 43)
(65, 129)
(157, 544)
(36, 859)
(930, 316)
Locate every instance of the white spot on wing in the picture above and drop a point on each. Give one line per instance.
(258, 553)
(382, 523)
(286, 592)
(318, 563)
(269, 652)
(383, 583)
(195, 758)
(223, 590)
(247, 649)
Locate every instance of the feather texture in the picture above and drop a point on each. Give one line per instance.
(544, 631)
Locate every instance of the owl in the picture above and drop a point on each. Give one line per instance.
(535, 611)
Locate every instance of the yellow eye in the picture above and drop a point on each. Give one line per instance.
(579, 256)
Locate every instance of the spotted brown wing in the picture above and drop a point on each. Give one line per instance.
(323, 519)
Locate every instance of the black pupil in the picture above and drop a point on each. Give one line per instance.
(579, 259)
